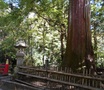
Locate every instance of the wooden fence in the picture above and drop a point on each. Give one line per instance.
(59, 79)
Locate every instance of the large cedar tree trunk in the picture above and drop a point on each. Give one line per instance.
(79, 51)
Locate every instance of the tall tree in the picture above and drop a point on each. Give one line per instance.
(79, 51)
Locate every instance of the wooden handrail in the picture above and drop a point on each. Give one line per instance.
(95, 77)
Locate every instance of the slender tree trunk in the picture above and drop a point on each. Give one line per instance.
(62, 39)
(95, 42)
(62, 46)
(79, 51)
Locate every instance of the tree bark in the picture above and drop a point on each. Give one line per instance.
(79, 51)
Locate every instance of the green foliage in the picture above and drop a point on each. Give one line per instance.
(3, 5)
(39, 23)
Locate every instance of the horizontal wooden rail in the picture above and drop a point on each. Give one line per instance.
(21, 85)
(95, 77)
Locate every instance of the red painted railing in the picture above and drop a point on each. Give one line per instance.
(4, 68)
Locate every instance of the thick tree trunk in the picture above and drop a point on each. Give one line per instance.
(79, 51)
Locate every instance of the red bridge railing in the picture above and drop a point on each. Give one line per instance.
(4, 68)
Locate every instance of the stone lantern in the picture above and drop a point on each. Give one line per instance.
(20, 53)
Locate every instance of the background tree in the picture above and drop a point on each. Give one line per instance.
(97, 28)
